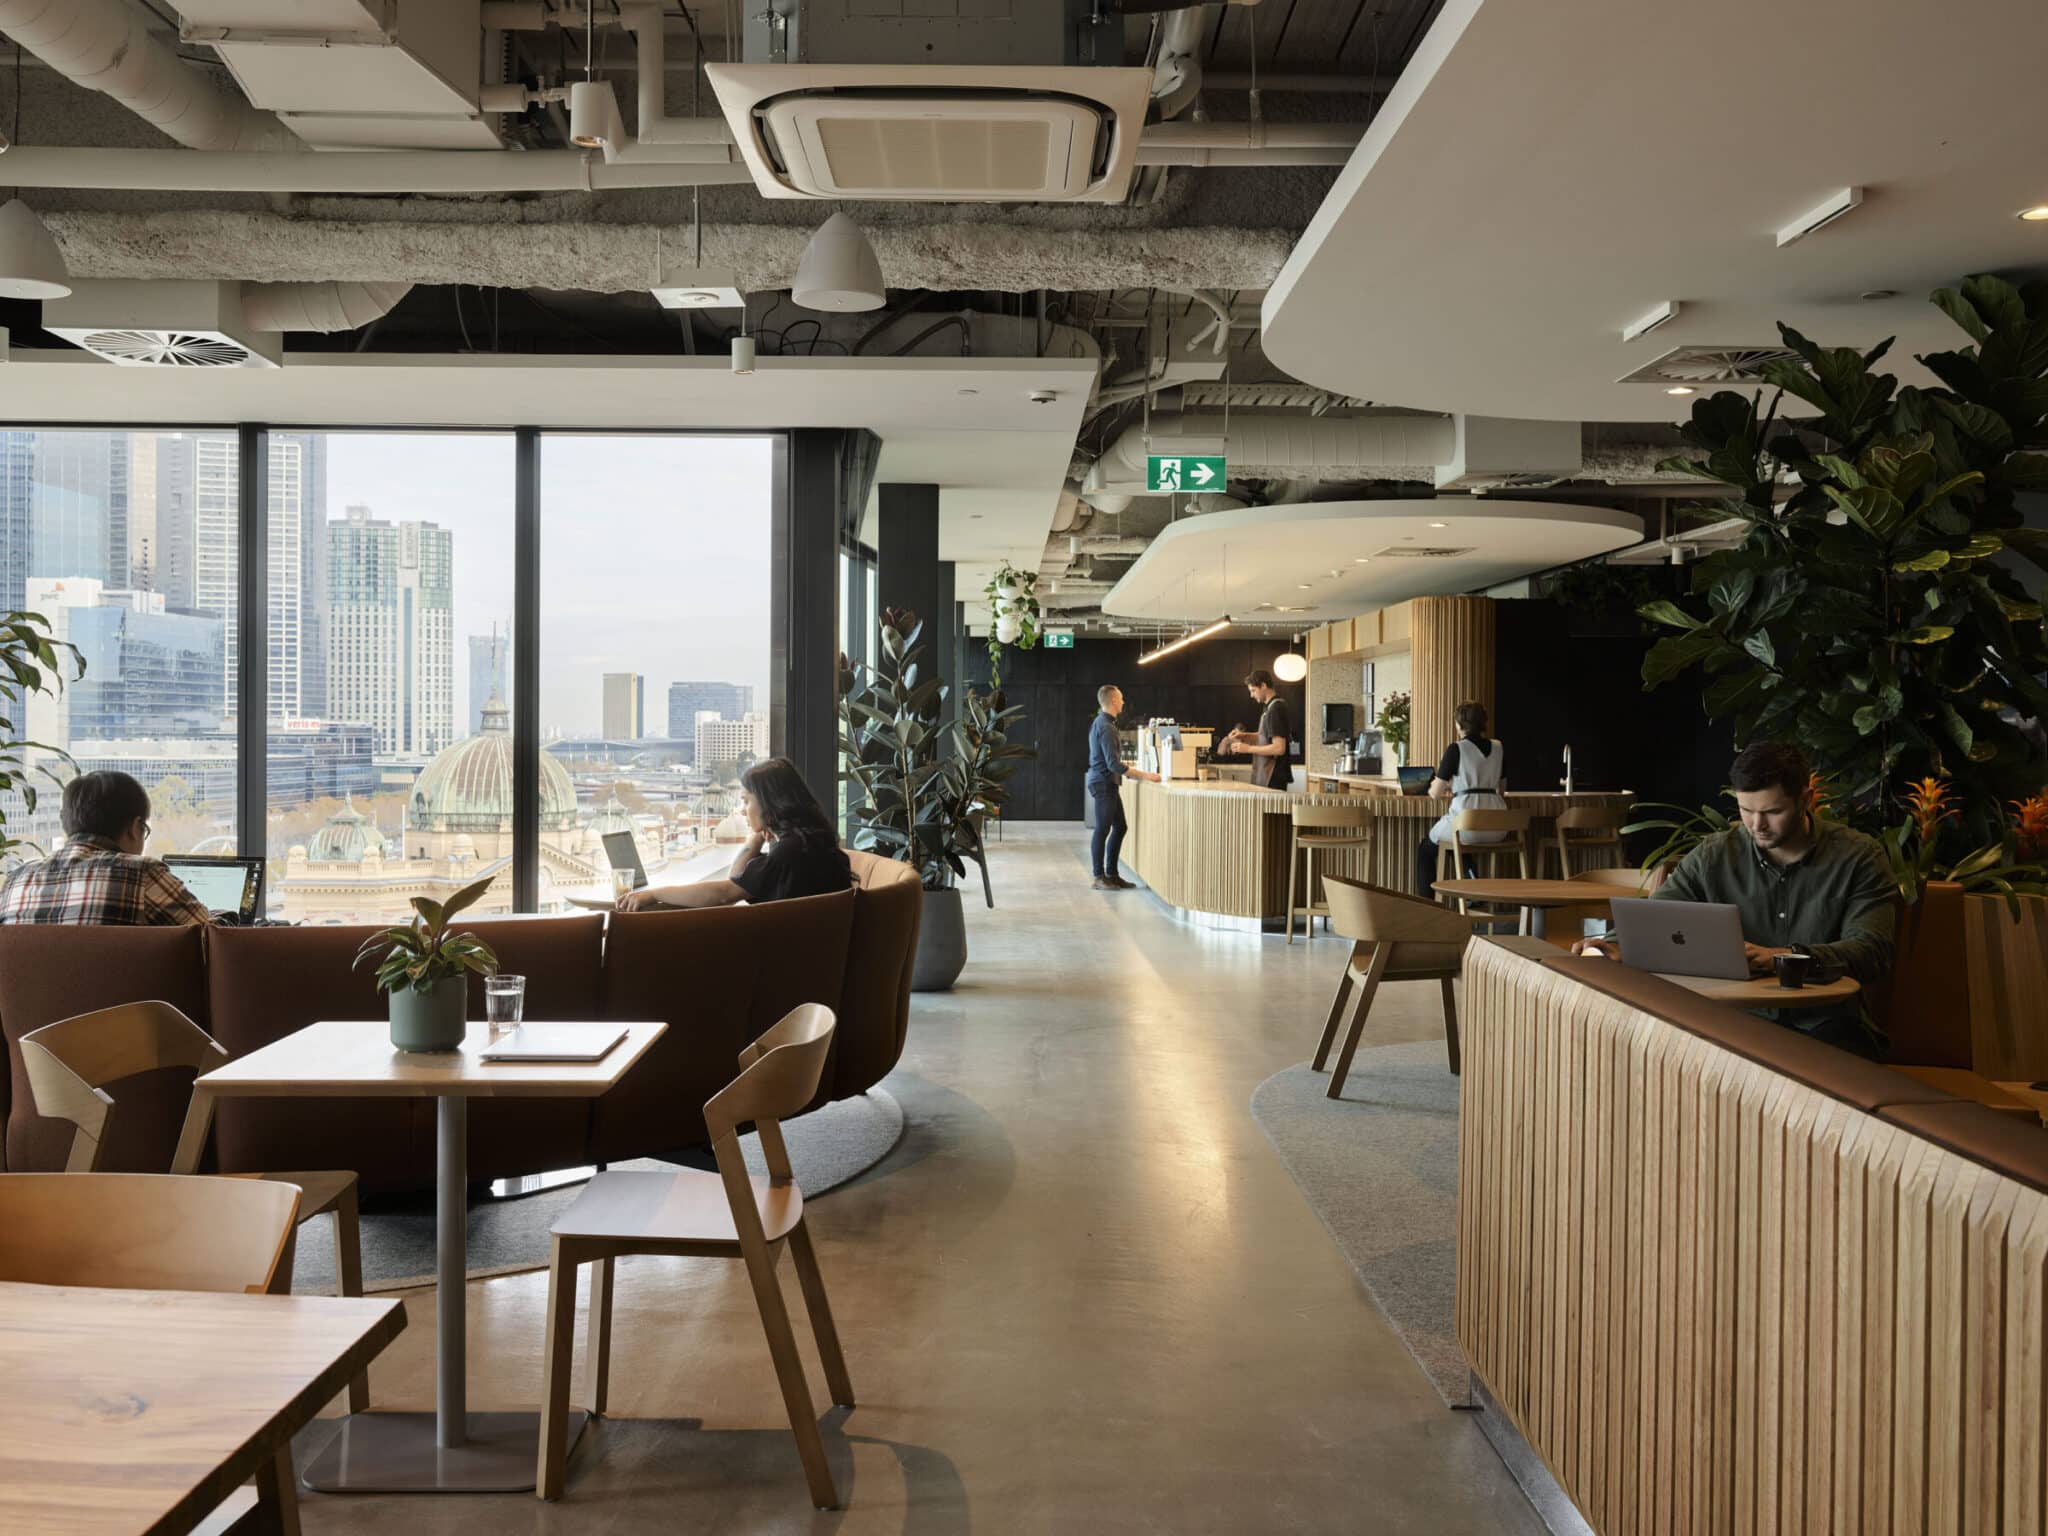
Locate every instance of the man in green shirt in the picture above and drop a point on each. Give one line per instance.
(1801, 885)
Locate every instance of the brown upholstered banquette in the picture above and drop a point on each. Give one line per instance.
(717, 977)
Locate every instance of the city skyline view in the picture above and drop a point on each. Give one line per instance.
(390, 569)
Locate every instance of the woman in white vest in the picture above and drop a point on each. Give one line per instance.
(1471, 776)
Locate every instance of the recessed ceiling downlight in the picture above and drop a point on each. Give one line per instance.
(1679, 389)
(2038, 214)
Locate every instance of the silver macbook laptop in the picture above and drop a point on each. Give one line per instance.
(624, 853)
(227, 886)
(1682, 938)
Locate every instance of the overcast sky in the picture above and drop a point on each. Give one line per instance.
(654, 554)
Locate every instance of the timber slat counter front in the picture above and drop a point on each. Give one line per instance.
(1222, 847)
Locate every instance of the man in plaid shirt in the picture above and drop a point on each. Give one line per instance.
(100, 875)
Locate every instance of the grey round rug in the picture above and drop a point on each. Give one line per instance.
(1379, 1167)
(827, 1148)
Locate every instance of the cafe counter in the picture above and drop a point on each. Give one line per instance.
(1221, 847)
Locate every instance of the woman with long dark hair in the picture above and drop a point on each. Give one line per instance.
(791, 850)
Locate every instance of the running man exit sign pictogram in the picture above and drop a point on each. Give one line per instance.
(1183, 472)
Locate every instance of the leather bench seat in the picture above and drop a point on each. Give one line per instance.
(2006, 1145)
(716, 977)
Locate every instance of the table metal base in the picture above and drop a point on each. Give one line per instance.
(397, 1453)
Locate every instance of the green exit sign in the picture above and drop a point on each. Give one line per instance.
(1183, 472)
(1057, 640)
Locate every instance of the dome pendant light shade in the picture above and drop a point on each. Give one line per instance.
(31, 267)
(1290, 666)
(839, 271)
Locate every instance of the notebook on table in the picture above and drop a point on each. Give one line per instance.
(553, 1042)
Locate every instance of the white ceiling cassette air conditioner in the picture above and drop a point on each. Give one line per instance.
(936, 133)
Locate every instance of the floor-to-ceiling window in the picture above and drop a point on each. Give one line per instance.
(122, 541)
(389, 745)
(654, 659)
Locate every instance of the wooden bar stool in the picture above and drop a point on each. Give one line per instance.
(1585, 827)
(1514, 827)
(1318, 828)
(1395, 938)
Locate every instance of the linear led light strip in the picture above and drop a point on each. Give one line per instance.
(1184, 641)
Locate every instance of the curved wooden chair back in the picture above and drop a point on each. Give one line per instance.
(1515, 823)
(70, 1062)
(1333, 818)
(779, 1075)
(1371, 914)
(145, 1231)
(1590, 819)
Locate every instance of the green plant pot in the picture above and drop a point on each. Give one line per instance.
(433, 1020)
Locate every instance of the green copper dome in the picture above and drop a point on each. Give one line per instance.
(345, 838)
(468, 787)
(611, 818)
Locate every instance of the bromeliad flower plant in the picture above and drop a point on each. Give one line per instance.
(2008, 867)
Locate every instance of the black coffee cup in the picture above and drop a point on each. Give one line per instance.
(1792, 970)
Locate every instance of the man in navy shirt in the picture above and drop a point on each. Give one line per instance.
(1106, 773)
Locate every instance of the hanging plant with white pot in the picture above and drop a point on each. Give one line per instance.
(1013, 616)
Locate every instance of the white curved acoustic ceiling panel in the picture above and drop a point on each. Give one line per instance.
(1312, 562)
(1543, 175)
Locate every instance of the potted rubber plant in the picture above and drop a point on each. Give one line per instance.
(32, 660)
(424, 969)
(919, 789)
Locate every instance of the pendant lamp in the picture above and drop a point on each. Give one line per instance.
(839, 271)
(1290, 666)
(31, 266)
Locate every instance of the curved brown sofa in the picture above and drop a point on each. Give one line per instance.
(717, 977)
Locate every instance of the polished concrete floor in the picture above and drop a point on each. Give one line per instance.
(1081, 1296)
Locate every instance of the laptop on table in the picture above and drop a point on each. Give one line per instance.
(1681, 938)
(228, 886)
(624, 853)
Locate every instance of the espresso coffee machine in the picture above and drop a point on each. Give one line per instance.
(1364, 757)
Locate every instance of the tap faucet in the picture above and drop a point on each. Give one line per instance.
(1567, 767)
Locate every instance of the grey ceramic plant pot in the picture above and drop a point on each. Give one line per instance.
(941, 943)
(433, 1020)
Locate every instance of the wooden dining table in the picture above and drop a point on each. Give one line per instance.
(450, 1450)
(124, 1412)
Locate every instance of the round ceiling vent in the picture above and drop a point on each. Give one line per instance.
(1710, 365)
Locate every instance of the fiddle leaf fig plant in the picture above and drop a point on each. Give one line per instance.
(1013, 616)
(32, 660)
(1863, 615)
(422, 953)
(919, 788)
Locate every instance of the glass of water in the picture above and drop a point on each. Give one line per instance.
(504, 1000)
(622, 882)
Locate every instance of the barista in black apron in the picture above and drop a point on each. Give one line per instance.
(1268, 751)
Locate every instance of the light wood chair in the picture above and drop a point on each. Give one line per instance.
(1514, 827)
(161, 1232)
(1319, 828)
(1395, 937)
(731, 1215)
(1585, 827)
(69, 1064)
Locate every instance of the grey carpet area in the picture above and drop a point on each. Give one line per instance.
(1379, 1167)
(827, 1148)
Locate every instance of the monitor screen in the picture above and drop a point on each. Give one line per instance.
(1338, 722)
(226, 885)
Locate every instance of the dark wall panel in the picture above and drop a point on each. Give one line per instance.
(1202, 685)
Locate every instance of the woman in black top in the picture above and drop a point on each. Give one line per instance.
(793, 850)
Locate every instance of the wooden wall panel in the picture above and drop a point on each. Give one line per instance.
(1716, 1300)
(2008, 976)
(1453, 650)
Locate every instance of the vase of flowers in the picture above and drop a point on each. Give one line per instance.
(1392, 725)
(424, 970)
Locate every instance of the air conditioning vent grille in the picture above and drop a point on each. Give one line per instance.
(166, 348)
(1419, 552)
(988, 145)
(1709, 365)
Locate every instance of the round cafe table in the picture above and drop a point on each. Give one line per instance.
(1533, 893)
(1764, 991)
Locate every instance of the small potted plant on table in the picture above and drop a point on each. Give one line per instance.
(424, 969)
